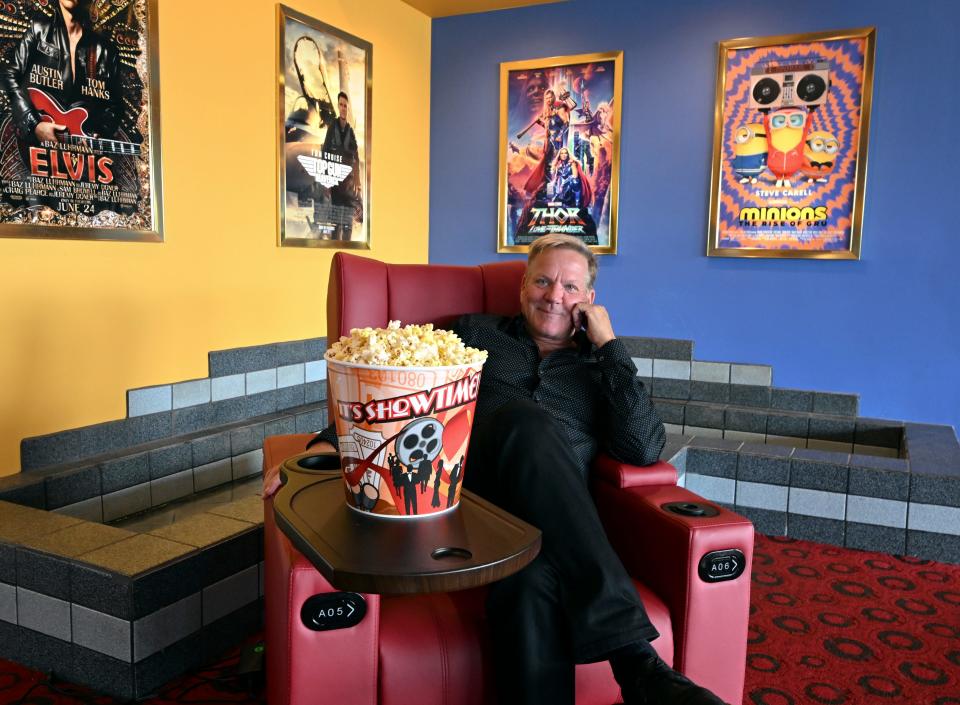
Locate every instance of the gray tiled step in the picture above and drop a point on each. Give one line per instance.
(869, 503)
(157, 461)
(131, 658)
(683, 379)
(71, 446)
(829, 431)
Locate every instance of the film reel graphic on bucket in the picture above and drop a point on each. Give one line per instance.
(403, 434)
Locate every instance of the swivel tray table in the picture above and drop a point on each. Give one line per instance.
(471, 545)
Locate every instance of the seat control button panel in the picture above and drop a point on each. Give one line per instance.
(333, 610)
(718, 566)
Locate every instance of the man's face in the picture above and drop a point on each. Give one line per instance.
(554, 283)
(342, 106)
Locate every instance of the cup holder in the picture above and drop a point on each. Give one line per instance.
(451, 552)
(318, 462)
(691, 509)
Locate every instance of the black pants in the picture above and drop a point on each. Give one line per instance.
(574, 603)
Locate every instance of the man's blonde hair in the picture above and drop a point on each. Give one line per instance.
(564, 242)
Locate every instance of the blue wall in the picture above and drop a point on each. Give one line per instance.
(887, 326)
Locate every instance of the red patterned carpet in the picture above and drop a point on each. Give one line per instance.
(217, 684)
(828, 626)
(832, 626)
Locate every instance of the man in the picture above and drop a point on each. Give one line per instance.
(435, 502)
(454, 479)
(65, 58)
(341, 141)
(557, 373)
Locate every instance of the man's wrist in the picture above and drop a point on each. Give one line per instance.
(613, 352)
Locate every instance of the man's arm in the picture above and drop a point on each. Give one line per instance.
(327, 139)
(110, 119)
(461, 327)
(632, 431)
(327, 436)
(567, 104)
(12, 74)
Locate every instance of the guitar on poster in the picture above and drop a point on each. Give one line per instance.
(86, 159)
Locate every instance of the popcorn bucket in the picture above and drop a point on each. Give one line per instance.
(403, 434)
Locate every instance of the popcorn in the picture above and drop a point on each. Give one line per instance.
(410, 346)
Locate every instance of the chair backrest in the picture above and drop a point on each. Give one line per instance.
(366, 292)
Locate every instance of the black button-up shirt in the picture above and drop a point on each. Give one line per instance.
(594, 392)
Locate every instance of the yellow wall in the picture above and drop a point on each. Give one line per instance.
(82, 322)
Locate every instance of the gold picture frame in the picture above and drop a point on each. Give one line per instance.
(791, 128)
(100, 178)
(324, 142)
(541, 190)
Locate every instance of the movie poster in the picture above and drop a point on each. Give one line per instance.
(79, 152)
(324, 100)
(560, 150)
(790, 145)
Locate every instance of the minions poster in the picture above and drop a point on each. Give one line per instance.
(790, 140)
(324, 141)
(560, 150)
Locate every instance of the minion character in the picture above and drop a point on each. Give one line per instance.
(787, 131)
(749, 152)
(819, 156)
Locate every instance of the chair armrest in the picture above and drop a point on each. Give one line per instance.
(663, 550)
(344, 663)
(624, 475)
(276, 449)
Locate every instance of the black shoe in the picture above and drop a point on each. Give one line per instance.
(653, 682)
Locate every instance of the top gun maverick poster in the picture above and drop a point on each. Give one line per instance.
(790, 143)
(79, 156)
(324, 100)
(560, 150)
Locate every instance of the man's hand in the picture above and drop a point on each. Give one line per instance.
(49, 131)
(271, 478)
(595, 320)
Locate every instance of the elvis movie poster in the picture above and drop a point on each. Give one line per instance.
(79, 130)
(560, 150)
(790, 145)
(324, 100)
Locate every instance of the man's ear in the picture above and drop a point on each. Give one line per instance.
(593, 295)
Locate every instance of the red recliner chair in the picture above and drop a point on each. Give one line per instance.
(692, 570)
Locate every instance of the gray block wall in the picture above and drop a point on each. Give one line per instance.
(125, 611)
(807, 465)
